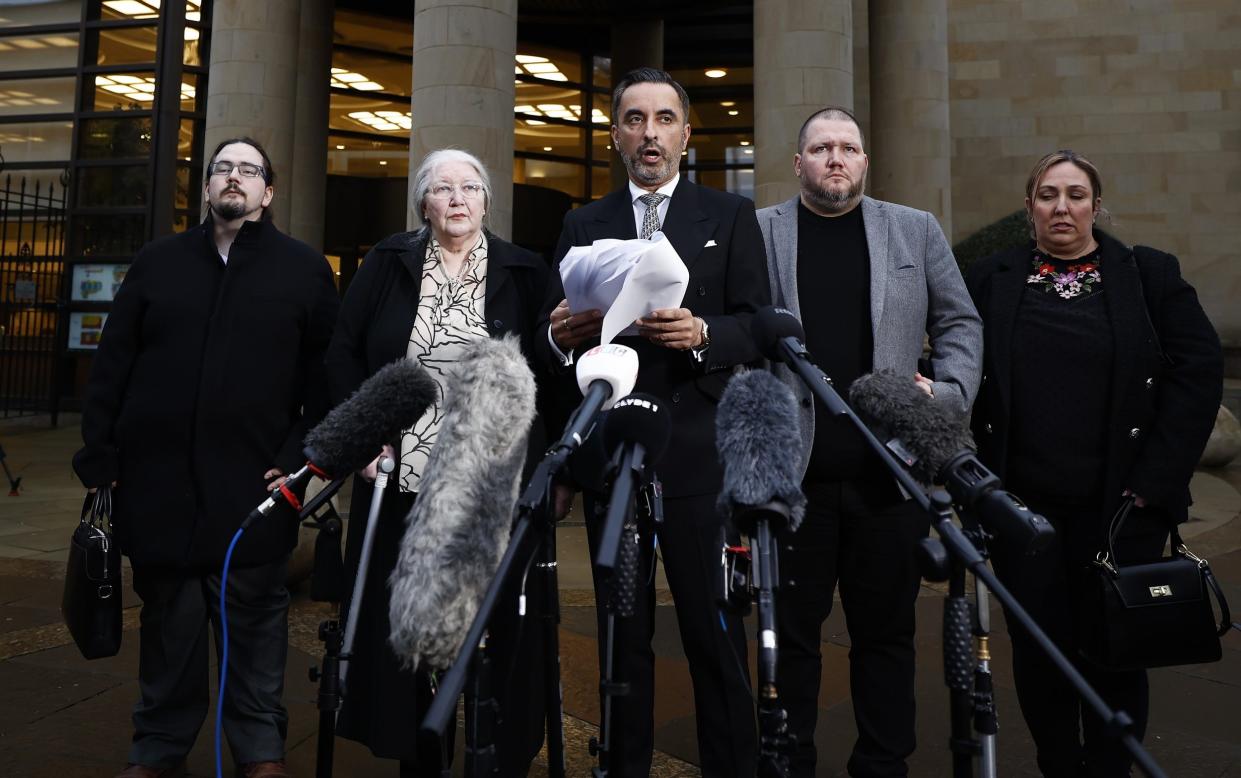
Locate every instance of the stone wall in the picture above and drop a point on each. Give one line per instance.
(1148, 89)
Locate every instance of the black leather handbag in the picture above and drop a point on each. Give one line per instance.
(91, 604)
(1153, 614)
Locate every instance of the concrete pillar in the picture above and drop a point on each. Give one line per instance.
(803, 60)
(252, 83)
(463, 91)
(635, 44)
(910, 140)
(305, 183)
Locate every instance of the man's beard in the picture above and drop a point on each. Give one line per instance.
(829, 201)
(645, 174)
(230, 210)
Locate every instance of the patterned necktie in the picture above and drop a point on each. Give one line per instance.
(650, 221)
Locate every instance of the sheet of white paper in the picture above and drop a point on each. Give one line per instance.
(626, 279)
(657, 280)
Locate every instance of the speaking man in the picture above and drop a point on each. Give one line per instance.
(686, 356)
(207, 378)
(875, 279)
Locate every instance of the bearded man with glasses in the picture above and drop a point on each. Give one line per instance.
(207, 378)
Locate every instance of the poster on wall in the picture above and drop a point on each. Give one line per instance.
(85, 328)
(97, 283)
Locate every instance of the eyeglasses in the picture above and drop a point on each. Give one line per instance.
(470, 190)
(247, 169)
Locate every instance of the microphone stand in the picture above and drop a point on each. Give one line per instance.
(524, 545)
(338, 646)
(963, 553)
(776, 744)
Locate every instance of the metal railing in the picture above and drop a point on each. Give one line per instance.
(32, 265)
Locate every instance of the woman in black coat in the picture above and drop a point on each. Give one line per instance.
(1102, 378)
(425, 295)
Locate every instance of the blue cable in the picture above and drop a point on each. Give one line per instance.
(219, 703)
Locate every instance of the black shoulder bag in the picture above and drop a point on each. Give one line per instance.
(91, 604)
(1154, 614)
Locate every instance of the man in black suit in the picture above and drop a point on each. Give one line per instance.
(686, 356)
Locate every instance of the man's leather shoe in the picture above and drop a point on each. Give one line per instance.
(264, 770)
(142, 771)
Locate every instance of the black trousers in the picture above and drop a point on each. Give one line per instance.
(1072, 741)
(689, 542)
(861, 535)
(177, 608)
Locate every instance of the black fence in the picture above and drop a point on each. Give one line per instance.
(32, 266)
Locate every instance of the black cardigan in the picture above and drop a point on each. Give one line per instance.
(1167, 370)
(198, 388)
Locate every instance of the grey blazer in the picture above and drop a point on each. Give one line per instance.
(916, 290)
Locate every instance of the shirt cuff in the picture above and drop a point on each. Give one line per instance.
(565, 359)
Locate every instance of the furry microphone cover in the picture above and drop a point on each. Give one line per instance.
(756, 435)
(894, 407)
(459, 526)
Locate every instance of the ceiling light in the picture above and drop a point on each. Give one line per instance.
(749, 151)
(350, 78)
(727, 104)
(133, 8)
(526, 59)
(383, 161)
(715, 73)
(62, 41)
(547, 148)
(733, 113)
(367, 86)
(339, 147)
(541, 67)
(745, 143)
(28, 43)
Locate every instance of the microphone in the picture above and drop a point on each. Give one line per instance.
(604, 375)
(937, 448)
(779, 336)
(459, 526)
(355, 431)
(637, 428)
(757, 438)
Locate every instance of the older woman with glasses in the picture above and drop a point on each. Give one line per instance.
(1102, 380)
(425, 295)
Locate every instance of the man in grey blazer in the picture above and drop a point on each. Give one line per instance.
(869, 280)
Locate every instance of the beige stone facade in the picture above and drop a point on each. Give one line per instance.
(1148, 89)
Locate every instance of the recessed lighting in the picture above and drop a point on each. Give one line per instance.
(715, 73)
(745, 143)
(727, 104)
(339, 147)
(547, 148)
(684, 153)
(383, 161)
(733, 113)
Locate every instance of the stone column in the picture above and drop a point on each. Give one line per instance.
(910, 144)
(463, 90)
(635, 44)
(252, 83)
(305, 184)
(803, 61)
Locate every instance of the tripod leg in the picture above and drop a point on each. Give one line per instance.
(552, 697)
(958, 673)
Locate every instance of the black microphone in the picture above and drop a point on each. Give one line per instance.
(354, 432)
(779, 336)
(637, 429)
(459, 526)
(756, 435)
(934, 444)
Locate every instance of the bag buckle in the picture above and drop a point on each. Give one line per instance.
(1185, 552)
(1104, 560)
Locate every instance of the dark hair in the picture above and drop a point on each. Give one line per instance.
(1066, 155)
(269, 174)
(834, 112)
(648, 76)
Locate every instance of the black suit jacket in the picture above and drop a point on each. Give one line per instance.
(1167, 370)
(716, 234)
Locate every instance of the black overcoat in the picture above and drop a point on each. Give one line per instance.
(1167, 370)
(385, 703)
(207, 375)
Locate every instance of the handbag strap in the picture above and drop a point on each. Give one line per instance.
(97, 508)
(1225, 617)
(1118, 521)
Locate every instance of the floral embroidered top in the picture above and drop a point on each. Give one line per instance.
(450, 317)
(1066, 278)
